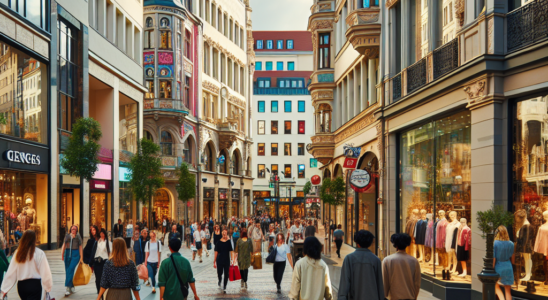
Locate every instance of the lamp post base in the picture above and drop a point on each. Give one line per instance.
(488, 278)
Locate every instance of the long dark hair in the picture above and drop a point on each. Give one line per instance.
(26, 248)
(103, 231)
(96, 236)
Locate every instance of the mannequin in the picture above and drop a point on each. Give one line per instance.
(450, 241)
(541, 244)
(31, 213)
(463, 245)
(524, 238)
(429, 238)
(420, 234)
(410, 229)
(440, 241)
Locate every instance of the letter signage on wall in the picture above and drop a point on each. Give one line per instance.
(23, 156)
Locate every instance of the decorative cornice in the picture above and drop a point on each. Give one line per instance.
(476, 91)
(354, 128)
(237, 101)
(322, 95)
(321, 24)
(210, 87)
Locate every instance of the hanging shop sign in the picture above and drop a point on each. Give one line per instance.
(221, 159)
(312, 200)
(124, 174)
(350, 163)
(316, 180)
(351, 152)
(103, 172)
(360, 180)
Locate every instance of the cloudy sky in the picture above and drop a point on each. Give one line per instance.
(280, 14)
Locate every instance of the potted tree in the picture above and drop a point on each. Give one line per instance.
(488, 222)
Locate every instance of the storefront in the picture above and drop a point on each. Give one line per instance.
(100, 199)
(435, 195)
(223, 205)
(161, 207)
(127, 204)
(209, 202)
(236, 203)
(260, 203)
(530, 194)
(313, 207)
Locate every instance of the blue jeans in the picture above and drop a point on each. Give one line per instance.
(152, 270)
(72, 257)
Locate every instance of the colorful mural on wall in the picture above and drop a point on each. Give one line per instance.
(148, 58)
(165, 58)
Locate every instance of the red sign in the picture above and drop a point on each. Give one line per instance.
(350, 163)
(316, 180)
(312, 200)
(99, 185)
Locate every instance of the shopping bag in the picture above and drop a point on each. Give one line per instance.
(234, 273)
(257, 261)
(193, 248)
(142, 270)
(49, 297)
(82, 275)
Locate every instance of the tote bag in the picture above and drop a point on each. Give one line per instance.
(82, 275)
(234, 273)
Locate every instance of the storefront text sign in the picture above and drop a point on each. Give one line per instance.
(360, 180)
(350, 163)
(99, 185)
(22, 157)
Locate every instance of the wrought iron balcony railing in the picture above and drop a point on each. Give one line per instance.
(396, 87)
(280, 91)
(527, 24)
(446, 58)
(416, 76)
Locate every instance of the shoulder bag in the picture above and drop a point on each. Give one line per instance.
(271, 258)
(184, 289)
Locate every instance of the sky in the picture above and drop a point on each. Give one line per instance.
(280, 14)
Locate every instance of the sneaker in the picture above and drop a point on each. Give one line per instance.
(153, 290)
(72, 289)
(67, 291)
(224, 290)
(279, 291)
(200, 260)
(148, 283)
(246, 285)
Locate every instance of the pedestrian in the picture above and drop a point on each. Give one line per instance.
(503, 253)
(401, 272)
(188, 236)
(198, 244)
(271, 236)
(29, 268)
(338, 235)
(71, 254)
(224, 258)
(174, 271)
(129, 234)
(142, 245)
(118, 230)
(310, 230)
(153, 251)
(283, 254)
(311, 276)
(257, 236)
(120, 276)
(295, 232)
(164, 225)
(235, 234)
(174, 234)
(100, 254)
(364, 282)
(136, 246)
(206, 236)
(216, 234)
(93, 231)
(244, 251)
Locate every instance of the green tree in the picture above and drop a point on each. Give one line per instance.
(146, 173)
(187, 186)
(332, 191)
(3, 120)
(80, 157)
(307, 187)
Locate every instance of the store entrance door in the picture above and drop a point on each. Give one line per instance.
(98, 210)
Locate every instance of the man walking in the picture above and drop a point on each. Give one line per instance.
(176, 275)
(401, 271)
(198, 244)
(361, 276)
(257, 236)
(118, 229)
(338, 234)
(174, 234)
(310, 230)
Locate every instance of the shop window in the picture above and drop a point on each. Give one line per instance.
(273, 127)
(260, 127)
(274, 149)
(149, 84)
(300, 149)
(260, 149)
(301, 169)
(301, 127)
(274, 169)
(166, 143)
(287, 127)
(287, 106)
(287, 170)
(324, 56)
(261, 106)
(274, 106)
(261, 172)
(437, 152)
(165, 89)
(287, 149)
(301, 106)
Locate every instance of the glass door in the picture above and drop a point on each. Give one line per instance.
(98, 210)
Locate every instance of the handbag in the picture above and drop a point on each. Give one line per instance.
(49, 297)
(184, 289)
(208, 245)
(193, 248)
(234, 273)
(257, 261)
(142, 270)
(271, 258)
(82, 275)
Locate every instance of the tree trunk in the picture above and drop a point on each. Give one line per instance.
(150, 213)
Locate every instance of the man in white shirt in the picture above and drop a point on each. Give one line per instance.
(198, 244)
(295, 232)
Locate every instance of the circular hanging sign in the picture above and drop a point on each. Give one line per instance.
(316, 180)
(222, 159)
(360, 180)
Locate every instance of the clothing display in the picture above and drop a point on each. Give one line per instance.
(454, 239)
(451, 235)
(541, 242)
(429, 238)
(464, 239)
(420, 232)
(441, 233)
(524, 241)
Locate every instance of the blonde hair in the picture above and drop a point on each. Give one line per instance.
(501, 234)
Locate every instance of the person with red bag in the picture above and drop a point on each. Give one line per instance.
(244, 251)
(224, 258)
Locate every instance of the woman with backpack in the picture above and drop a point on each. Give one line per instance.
(153, 250)
(100, 253)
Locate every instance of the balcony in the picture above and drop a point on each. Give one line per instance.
(364, 30)
(322, 147)
(170, 162)
(322, 6)
(167, 105)
(527, 24)
(228, 132)
(280, 91)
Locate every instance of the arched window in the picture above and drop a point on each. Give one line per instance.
(187, 151)
(235, 163)
(148, 136)
(166, 143)
(208, 158)
(222, 167)
(165, 34)
(150, 22)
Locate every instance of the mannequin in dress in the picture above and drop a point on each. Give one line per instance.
(524, 237)
(440, 240)
(541, 244)
(420, 234)
(429, 239)
(31, 213)
(463, 245)
(450, 241)
(410, 229)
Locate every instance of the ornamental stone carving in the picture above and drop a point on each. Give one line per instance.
(354, 128)
(390, 3)
(476, 91)
(321, 24)
(322, 139)
(236, 100)
(490, 37)
(322, 95)
(210, 87)
(459, 11)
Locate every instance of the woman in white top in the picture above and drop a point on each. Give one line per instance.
(205, 235)
(129, 233)
(283, 253)
(100, 253)
(153, 249)
(30, 269)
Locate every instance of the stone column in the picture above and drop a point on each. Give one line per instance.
(363, 80)
(357, 94)
(372, 89)
(216, 204)
(336, 107)
(349, 99)
(343, 102)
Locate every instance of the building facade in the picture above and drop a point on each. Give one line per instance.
(224, 122)
(284, 121)
(455, 125)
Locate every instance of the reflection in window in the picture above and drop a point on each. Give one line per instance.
(148, 136)
(274, 106)
(301, 169)
(149, 84)
(166, 143)
(287, 171)
(260, 128)
(274, 149)
(165, 89)
(300, 149)
(287, 149)
(274, 169)
(33, 10)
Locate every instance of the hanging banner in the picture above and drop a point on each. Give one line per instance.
(360, 181)
(350, 163)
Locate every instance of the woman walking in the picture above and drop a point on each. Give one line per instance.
(100, 254)
(29, 268)
(503, 252)
(244, 250)
(216, 234)
(129, 234)
(271, 236)
(223, 259)
(236, 234)
(153, 250)
(93, 231)
(71, 254)
(283, 254)
(205, 238)
(120, 276)
(311, 276)
(135, 248)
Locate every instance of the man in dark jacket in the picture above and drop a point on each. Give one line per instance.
(118, 229)
(310, 230)
(174, 234)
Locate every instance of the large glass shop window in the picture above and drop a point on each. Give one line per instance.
(23, 205)
(530, 195)
(435, 195)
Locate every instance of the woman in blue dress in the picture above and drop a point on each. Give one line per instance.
(504, 255)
